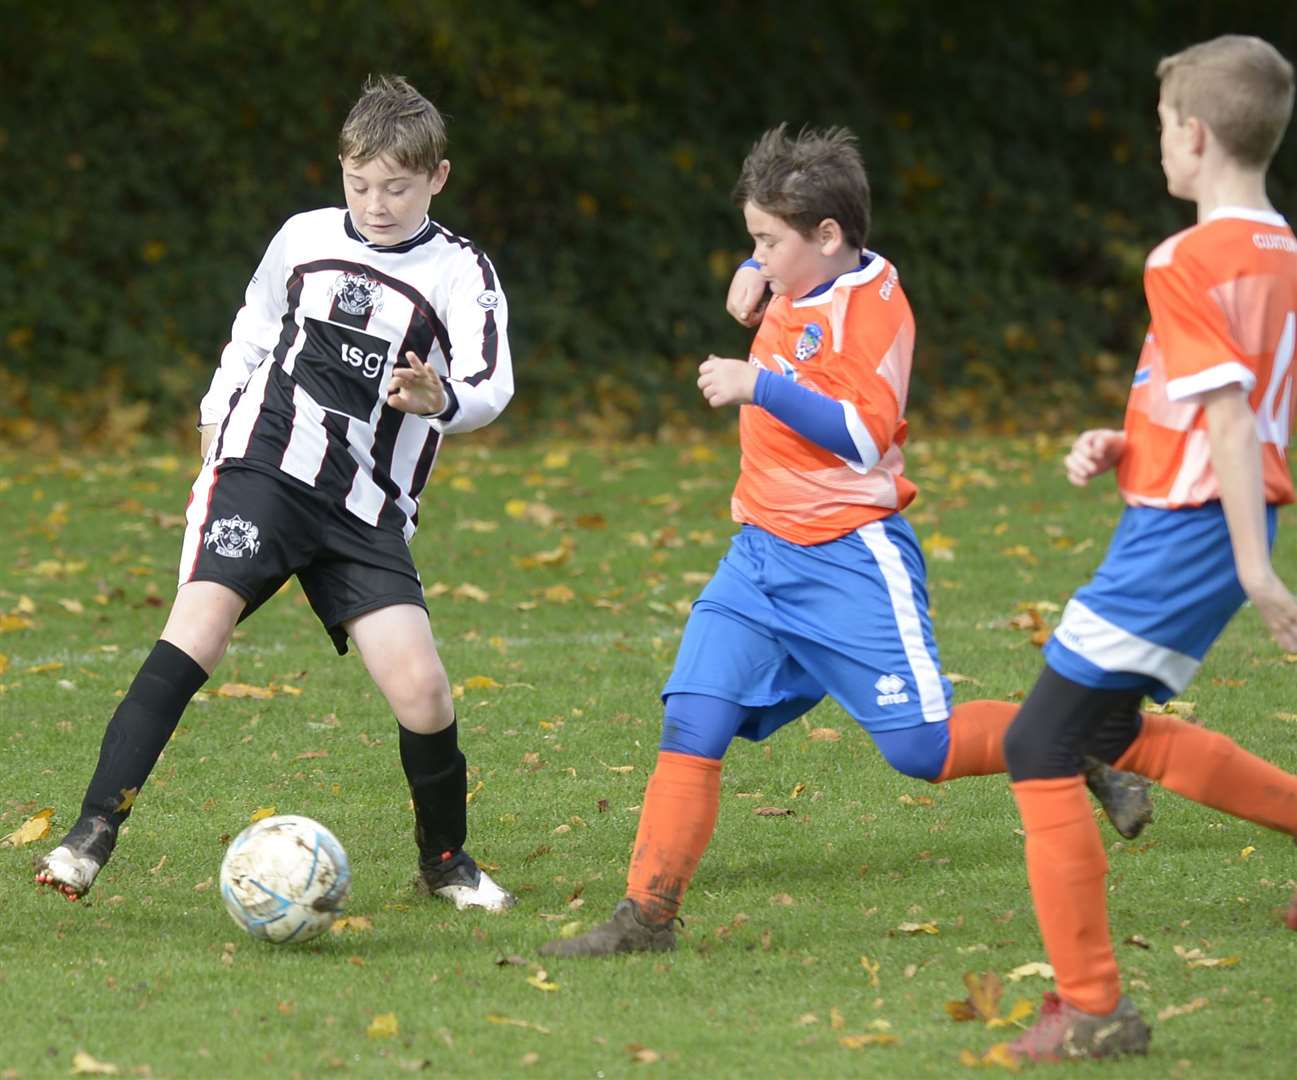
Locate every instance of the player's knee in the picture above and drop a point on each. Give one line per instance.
(422, 701)
(699, 725)
(919, 752)
(1026, 755)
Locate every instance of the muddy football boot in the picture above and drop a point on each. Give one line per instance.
(71, 868)
(1124, 796)
(1065, 1032)
(627, 931)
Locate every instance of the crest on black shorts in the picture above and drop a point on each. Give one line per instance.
(357, 294)
(233, 537)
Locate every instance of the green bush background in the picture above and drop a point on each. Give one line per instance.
(149, 150)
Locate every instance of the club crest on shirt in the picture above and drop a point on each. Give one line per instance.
(891, 690)
(233, 537)
(357, 294)
(809, 343)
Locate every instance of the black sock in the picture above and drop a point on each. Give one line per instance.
(138, 732)
(438, 777)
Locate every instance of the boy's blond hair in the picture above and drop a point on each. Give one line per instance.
(1240, 86)
(392, 118)
(803, 180)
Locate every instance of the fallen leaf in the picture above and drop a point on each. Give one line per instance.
(1196, 958)
(496, 1018)
(871, 966)
(915, 800)
(36, 827)
(960, 1011)
(1182, 1010)
(244, 690)
(541, 981)
(642, 1054)
(1020, 1011)
(354, 923)
(384, 1026)
(261, 812)
(85, 1065)
(1036, 967)
(984, 993)
(859, 1042)
(772, 811)
(470, 592)
(481, 682)
(825, 734)
(918, 928)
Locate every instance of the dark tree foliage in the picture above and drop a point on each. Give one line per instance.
(149, 150)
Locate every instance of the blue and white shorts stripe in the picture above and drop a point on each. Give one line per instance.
(781, 625)
(1165, 591)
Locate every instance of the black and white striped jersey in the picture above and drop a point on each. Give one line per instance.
(301, 387)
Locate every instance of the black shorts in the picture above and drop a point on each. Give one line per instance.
(251, 531)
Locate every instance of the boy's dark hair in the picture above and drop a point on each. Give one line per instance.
(803, 180)
(392, 118)
(1240, 86)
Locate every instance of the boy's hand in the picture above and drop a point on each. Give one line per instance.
(726, 382)
(1094, 452)
(416, 389)
(747, 297)
(1275, 604)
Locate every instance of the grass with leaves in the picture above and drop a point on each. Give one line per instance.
(845, 921)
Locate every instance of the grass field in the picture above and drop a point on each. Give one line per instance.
(558, 581)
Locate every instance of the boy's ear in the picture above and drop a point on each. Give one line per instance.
(828, 233)
(440, 175)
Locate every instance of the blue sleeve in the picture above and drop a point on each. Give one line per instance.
(750, 262)
(814, 416)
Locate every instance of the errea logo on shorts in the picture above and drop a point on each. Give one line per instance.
(891, 690)
(233, 537)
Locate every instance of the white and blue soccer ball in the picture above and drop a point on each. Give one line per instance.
(285, 879)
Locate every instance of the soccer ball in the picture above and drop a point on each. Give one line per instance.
(285, 878)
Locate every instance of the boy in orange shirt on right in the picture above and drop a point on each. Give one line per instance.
(1202, 466)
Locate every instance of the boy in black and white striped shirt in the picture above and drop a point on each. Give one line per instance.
(366, 335)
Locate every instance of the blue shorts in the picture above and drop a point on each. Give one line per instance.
(781, 625)
(1165, 591)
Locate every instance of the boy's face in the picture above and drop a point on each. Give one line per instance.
(1179, 157)
(387, 201)
(790, 262)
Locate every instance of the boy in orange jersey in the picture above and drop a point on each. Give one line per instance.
(823, 590)
(1201, 465)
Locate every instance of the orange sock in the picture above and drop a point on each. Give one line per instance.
(1066, 868)
(680, 806)
(977, 739)
(1214, 770)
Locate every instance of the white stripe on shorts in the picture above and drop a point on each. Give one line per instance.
(1112, 648)
(932, 696)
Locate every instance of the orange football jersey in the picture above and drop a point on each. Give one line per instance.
(853, 342)
(1222, 297)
